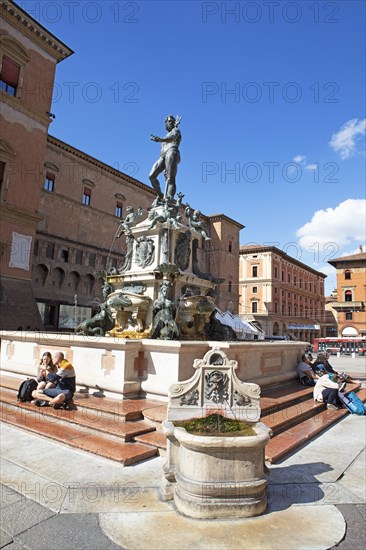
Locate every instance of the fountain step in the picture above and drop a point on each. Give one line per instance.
(93, 442)
(97, 421)
(277, 398)
(284, 415)
(126, 409)
(289, 411)
(155, 439)
(300, 434)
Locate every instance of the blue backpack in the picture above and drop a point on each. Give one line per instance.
(353, 403)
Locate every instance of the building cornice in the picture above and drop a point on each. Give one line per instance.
(223, 217)
(21, 20)
(17, 104)
(57, 144)
(347, 262)
(50, 237)
(19, 216)
(260, 249)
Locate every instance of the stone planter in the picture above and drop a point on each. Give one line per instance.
(217, 477)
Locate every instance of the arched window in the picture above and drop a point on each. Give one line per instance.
(347, 274)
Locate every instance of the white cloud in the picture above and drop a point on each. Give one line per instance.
(333, 228)
(344, 141)
(300, 159)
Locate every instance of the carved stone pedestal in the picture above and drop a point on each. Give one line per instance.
(215, 476)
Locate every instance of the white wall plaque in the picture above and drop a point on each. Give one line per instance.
(20, 251)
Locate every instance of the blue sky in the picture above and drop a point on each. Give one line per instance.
(272, 97)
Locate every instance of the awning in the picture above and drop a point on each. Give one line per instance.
(303, 327)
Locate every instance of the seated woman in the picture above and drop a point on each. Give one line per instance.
(322, 360)
(306, 374)
(326, 391)
(65, 387)
(47, 372)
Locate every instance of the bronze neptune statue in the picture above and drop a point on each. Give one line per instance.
(169, 158)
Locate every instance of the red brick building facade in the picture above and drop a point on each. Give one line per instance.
(350, 306)
(284, 296)
(28, 58)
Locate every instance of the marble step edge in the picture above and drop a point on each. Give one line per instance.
(130, 409)
(298, 435)
(271, 405)
(287, 441)
(121, 430)
(137, 452)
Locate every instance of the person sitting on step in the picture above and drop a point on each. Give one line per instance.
(65, 388)
(306, 374)
(326, 391)
(323, 359)
(47, 372)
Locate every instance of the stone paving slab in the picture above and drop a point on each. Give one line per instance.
(82, 533)
(283, 496)
(71, 466)
(356, 527)
(326, 458)
(128, 497)
(283, 530)
(8, 496)
(5, 539)
(22, 515)
(354, 478)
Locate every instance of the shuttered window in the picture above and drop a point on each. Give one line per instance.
(9, 77)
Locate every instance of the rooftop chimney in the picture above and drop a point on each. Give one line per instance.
(360, 247)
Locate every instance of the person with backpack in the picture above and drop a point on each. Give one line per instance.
(65, 386)
(326, 391)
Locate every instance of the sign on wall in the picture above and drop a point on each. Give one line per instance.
(20, 251)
